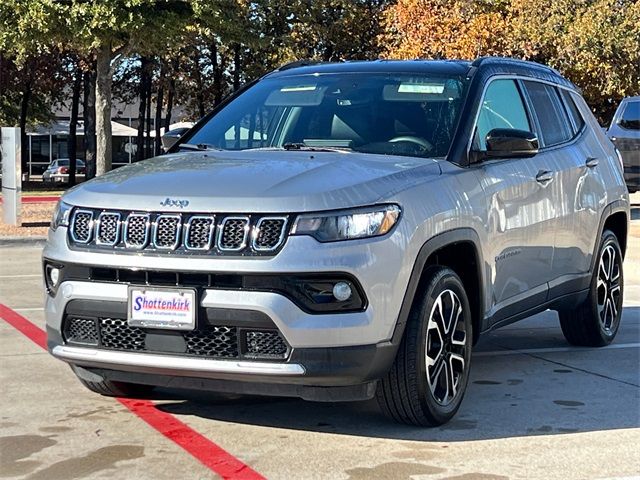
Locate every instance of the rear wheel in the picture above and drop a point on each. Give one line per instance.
(428, 379)
(595, 322)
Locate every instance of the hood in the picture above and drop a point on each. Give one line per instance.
(254, 181)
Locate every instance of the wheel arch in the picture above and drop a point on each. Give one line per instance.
(459, 250)
(615, 217)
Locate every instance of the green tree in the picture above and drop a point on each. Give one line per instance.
(105, 30)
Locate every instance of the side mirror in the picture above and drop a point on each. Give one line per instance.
(509, 143)
(169, 140)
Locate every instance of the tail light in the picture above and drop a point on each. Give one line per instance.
(63, 170)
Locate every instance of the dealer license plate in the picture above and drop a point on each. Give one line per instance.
(171, 308)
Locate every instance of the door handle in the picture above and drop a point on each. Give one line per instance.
(591, 162)
(544, 176)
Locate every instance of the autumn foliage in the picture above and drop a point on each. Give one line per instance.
(595, 43)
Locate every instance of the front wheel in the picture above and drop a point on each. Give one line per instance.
(428, 379)
(595, 322)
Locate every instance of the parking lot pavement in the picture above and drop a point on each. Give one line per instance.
(535, 408)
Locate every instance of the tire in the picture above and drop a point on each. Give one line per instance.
(595, 322)
(109, 388)
(407, 394)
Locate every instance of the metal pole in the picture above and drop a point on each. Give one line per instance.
(10, 150)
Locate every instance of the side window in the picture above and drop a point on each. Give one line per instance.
(631, 116)
(552, 118)
(502, 107)
(573, 111)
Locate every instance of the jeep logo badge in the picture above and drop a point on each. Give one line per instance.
(170, 202)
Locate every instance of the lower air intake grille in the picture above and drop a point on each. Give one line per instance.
(213, 342)
(209, 341)
(81, 330)
(266, 344)
(116, 333)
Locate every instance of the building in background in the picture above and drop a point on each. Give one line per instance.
(49, 142)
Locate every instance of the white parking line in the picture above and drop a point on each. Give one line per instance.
(28, 309)
(22, 276)
(554, 350)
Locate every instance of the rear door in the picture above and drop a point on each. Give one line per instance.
(520, 207)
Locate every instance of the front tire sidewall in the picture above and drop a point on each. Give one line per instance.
(444, 280)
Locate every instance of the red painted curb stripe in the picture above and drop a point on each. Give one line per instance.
(24, 326)
(210, 454)
(37, 199)
(200, 447)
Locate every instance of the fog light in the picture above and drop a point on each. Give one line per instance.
(54, 276)
(342, 291)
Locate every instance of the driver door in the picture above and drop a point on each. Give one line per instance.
(520, 211)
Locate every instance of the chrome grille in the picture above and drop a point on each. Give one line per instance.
(82, 226)
(199, 233)
(185, 233)
(136, 230)
(166, 232)
(269, 233)
(232, 235)
(108, 228)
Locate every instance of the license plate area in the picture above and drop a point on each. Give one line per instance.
(166, 308)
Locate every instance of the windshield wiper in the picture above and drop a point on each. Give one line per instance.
(309, 148)
(198, 146)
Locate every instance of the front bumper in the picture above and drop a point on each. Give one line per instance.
(327, 349)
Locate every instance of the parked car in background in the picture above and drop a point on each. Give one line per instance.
(624, 132)
(58, 171)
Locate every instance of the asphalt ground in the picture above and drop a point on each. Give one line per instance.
(535, 408)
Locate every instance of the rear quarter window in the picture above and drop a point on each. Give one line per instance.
(572, 110)
(553, 121)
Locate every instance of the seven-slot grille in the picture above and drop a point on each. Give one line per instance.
(217, 234)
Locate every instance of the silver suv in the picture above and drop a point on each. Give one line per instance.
(342, 231)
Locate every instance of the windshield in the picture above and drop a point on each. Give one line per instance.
(397, 114)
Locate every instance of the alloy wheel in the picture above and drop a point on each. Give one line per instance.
(609, 298)
(446, 347)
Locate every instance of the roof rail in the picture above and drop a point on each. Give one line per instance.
(298, 63)
(508, 60)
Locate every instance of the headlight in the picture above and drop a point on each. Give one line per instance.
(349, 224)
(61, 215)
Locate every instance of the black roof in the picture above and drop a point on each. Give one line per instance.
(446, 67)
(486, 66)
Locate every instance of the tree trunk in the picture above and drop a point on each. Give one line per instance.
(147, 142)
(103, 109)
(172, 91)
(89, 117)
(158, 122)
(217, 74)
(24, 111)
(236, 67)
(73, 123)
(144, 72)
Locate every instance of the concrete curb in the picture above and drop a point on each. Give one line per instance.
(23, 241)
